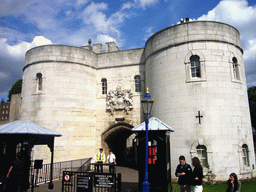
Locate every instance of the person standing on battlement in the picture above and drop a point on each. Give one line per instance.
(184, 173)
(99, 159)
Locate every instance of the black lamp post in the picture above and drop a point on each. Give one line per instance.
(147, 103)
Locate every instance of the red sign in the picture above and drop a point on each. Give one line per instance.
(66, 177)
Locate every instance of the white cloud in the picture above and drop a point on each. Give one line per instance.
(242, 16)
(81, 2)
(127, 5)
(12, 60)
(234, 12)
(94, 15)
(149, 33)
(104, 38)
(21, 48)
(144, 3)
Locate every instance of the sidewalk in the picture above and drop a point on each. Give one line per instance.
(129, 182)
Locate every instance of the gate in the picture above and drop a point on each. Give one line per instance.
(73, 181)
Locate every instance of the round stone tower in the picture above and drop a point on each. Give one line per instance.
(195, 73)
(58, 89)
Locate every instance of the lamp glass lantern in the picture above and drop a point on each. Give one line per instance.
(147, 104)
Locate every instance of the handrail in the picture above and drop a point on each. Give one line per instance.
(43, 175)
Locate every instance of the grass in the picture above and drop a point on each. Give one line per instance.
(248, 185)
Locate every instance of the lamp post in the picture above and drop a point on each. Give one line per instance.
(147, 103)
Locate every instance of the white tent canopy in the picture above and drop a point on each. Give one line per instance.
(26, 127)
(153, 125)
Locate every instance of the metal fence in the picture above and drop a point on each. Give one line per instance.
(43, 175)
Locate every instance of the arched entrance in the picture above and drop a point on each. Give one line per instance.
(119, 139)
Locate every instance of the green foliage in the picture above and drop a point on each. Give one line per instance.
(210, 176)
(16, 88)
(252, 104)
(248, 185)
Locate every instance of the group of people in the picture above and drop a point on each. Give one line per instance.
(187, 177)
(100, 159)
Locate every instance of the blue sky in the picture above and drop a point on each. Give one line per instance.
(29, 23)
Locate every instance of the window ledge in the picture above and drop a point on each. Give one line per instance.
(236, 81)
(38, 93)
(247, 170)
(102, 96)
(195, 80)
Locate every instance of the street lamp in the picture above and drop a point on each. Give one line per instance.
(147, 103)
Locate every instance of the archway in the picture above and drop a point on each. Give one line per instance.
(116, 138)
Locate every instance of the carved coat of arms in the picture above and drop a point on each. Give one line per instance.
(119, 100)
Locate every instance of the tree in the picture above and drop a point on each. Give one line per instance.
(252, 104)
(16, 88)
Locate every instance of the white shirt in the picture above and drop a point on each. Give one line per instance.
(111, 158)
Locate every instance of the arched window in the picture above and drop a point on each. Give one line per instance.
(104, 86)
(201, 151)
(245, 155)
(235, 69)
(195, 66)
(137, 83)
(39, 81)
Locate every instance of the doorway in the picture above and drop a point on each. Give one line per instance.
(119, 139)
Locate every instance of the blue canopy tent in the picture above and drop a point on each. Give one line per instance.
(22, 136)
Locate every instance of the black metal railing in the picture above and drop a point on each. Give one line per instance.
(43, 175)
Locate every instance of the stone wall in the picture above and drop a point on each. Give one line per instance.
(222, 101)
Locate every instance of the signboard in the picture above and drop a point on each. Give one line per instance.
(66, 178)
(38, 164)
(84, 183)
(104, 180)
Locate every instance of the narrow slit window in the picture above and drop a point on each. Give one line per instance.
(235, 69)
(137, 83)
(39, 80)
(245, 155)
(104, 86)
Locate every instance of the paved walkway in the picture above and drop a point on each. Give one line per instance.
(129, 182)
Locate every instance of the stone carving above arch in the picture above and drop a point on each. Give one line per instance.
(194, 52)
(119, 99)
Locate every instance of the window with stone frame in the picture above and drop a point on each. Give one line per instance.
(137, 79)
(235, 68)
(104, 86)
(195, 66)
(39, 81)
(245, 155)
(201, 151)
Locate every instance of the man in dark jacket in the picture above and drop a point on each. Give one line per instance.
(184, 173)
(16, 174)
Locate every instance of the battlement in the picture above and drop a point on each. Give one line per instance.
(97, 48)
